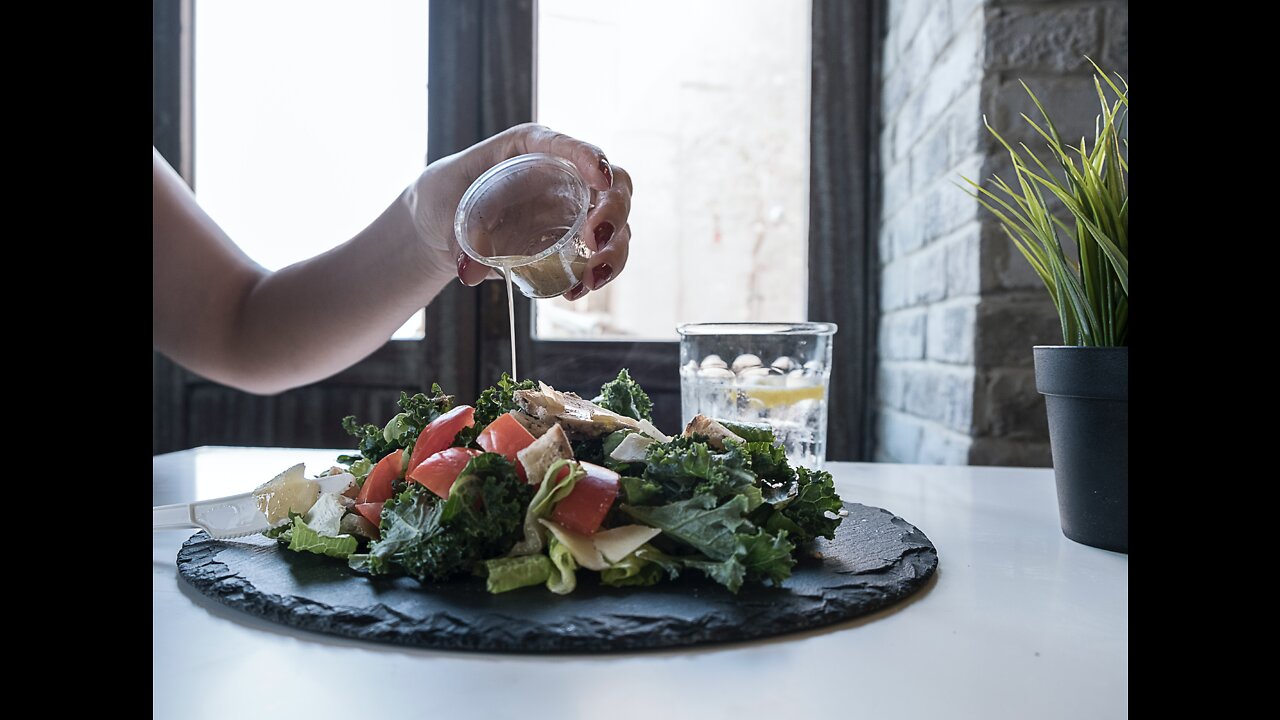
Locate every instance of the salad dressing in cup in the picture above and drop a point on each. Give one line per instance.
(526, 217)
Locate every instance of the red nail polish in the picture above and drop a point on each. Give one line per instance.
(575, 292)
(606, 170)
(603, 233)
(601, 275)
(464, 262)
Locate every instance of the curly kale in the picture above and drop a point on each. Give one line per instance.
(434, 539)
(417, 411)
(493, 402)
(686, 466)
(625, 397)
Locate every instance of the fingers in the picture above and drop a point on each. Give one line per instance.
(611, 210)
(471, 272)
(605, 265)
(590, 160)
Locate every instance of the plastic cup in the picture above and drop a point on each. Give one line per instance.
(526, 217)
(775, 373)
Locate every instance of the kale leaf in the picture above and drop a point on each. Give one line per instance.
(625, 397)
(401, 431)
(493, 402)
(434, 540)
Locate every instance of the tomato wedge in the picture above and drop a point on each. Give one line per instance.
(583, 509)
(372, 511)
(440, 470)
(506, 437)
(439, 433)
(377, 487)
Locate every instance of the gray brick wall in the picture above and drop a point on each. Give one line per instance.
(960, 308)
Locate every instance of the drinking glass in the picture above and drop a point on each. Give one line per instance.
(775, 373)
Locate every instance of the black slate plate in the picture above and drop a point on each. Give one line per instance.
(876, 559)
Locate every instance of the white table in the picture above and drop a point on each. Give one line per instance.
(1018, 622)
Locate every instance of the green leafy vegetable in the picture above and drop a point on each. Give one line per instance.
(698, 522)
(632, 570)
(625, 397)
(433, 539)
(749, 431)
(562, 580)
(494, 401)
(303, 539)
(589, 450)
(418, 410)
(767, 556)
(815, 507)
(509, 573)
(550, 492)
(687, 466)
(638, 491)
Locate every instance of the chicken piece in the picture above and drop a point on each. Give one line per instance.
(578, 417)
(538, 457)
(535, 426)
(715, 433)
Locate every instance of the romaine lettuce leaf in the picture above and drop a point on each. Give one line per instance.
(550, 492)
(304, 539)
(563, 579)
(509, 573)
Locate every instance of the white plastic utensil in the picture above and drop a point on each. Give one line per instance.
(230, 517)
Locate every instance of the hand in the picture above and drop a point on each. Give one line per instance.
(434, 199)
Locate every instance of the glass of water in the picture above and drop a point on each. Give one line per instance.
(775, 373)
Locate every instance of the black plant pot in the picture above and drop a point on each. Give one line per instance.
(1086, 393)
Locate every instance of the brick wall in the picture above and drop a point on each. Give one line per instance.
(960, 308)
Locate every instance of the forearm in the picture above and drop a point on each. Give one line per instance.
(221, 315)
(317, 317)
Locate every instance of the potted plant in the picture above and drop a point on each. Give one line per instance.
(1084, 263)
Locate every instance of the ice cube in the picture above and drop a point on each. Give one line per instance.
(799, 378)
(714, 361)
(745, 361)
(716, 373)
(690, 368)
(785, 364)
(813, 366)
(762, 376)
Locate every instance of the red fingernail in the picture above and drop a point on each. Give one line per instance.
(575, 292)
(601, 275)
(464, 262)
(606, 170)
(604, 233)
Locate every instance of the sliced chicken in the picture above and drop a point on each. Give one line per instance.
(715, 433)
(578, 417)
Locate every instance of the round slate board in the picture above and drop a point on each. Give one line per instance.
(876, 559)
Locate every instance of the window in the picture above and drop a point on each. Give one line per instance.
(337, 125)
(706, 104)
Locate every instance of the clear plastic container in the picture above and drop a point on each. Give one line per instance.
(526, 217)
(775, 373)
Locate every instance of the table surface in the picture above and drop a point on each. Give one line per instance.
(1018, 622)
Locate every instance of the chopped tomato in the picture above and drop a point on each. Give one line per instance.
(372, 511)
(583, 509)
(439, 434)
(506, 437)
(377, 487)
(440, 470)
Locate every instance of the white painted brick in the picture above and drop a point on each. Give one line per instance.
(951, 328)
(902, 334)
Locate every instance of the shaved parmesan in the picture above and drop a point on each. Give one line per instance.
(632, 448)
(617, 543)
(649, 429)
(580, 546)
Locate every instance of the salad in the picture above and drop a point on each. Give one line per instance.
(533, 486)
